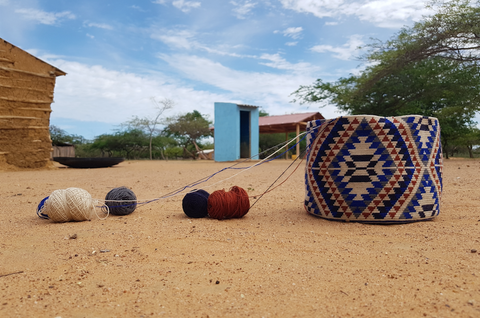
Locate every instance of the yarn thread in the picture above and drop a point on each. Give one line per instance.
(195, 204)
(272, 187)
(121, 201)
(280, 147)
(71, 204)
(80, 206)
(227, 205)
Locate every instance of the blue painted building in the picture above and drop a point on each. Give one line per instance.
(236, 131)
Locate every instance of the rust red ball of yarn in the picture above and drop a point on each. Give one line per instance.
(228, 204)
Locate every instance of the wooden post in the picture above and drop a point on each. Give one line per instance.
(286, 146)
(297, 151)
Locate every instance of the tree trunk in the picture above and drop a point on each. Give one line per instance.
(150, 146)
(452, 154)
(191, 154)
(444, 147)
(470, 150)
(199, 151)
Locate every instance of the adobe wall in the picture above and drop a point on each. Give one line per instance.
(26, 92)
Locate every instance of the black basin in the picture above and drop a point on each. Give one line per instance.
(88, 162)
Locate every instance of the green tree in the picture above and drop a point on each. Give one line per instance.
(451, 33)
(262, 113)
(130, 143)
(468, 140)
(149, 125)
(161, 143)
(105, 144)
(60, 136)
(430, 69)
(189, 128)
(428, 87)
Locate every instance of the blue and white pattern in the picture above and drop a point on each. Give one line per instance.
(374, 169)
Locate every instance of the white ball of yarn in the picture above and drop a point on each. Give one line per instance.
(72, 204)
(56, 206)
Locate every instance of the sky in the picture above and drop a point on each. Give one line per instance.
(119, 54)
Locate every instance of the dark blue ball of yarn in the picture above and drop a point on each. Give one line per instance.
(125, 201)
(194, 204)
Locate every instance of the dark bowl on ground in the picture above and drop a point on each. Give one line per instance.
(88, 162)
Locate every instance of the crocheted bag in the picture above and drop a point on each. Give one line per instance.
(374, 169)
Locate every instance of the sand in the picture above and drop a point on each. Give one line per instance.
(277, 261)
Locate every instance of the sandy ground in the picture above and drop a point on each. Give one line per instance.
(277, 261)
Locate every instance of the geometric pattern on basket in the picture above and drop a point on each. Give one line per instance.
(374, 169)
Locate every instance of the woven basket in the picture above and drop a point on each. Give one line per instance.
(374, 169)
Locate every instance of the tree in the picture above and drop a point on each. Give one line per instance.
(468, 140)
(60, 136)
(189, 128)
(452, 33)
(105, 144)
(430, 69)
(162, 142)
(427, 87)
(150, 124)
(125, 143)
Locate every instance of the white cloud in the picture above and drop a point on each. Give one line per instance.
(319, 8)
(225, 52)
(183, 5)
(43, 17)
(242, 9)
(4, 2)
(383, 13)
(185, 40)
(345, 52)
(278, 62)
(186, 6)
(294, 33)
(392, 13)
(291, 43)
(331, 23)
(138, 8)
(270, 90)
(98, 25)
(179, 39)
(95, 93)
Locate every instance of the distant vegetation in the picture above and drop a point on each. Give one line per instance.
(430, 69)
(182, 137)
(141, 138)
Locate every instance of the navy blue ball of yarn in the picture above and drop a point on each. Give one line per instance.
(195, 205)
(125, 201)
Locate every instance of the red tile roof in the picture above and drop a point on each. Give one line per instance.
(286, 123)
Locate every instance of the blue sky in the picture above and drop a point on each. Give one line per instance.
(119, 54)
